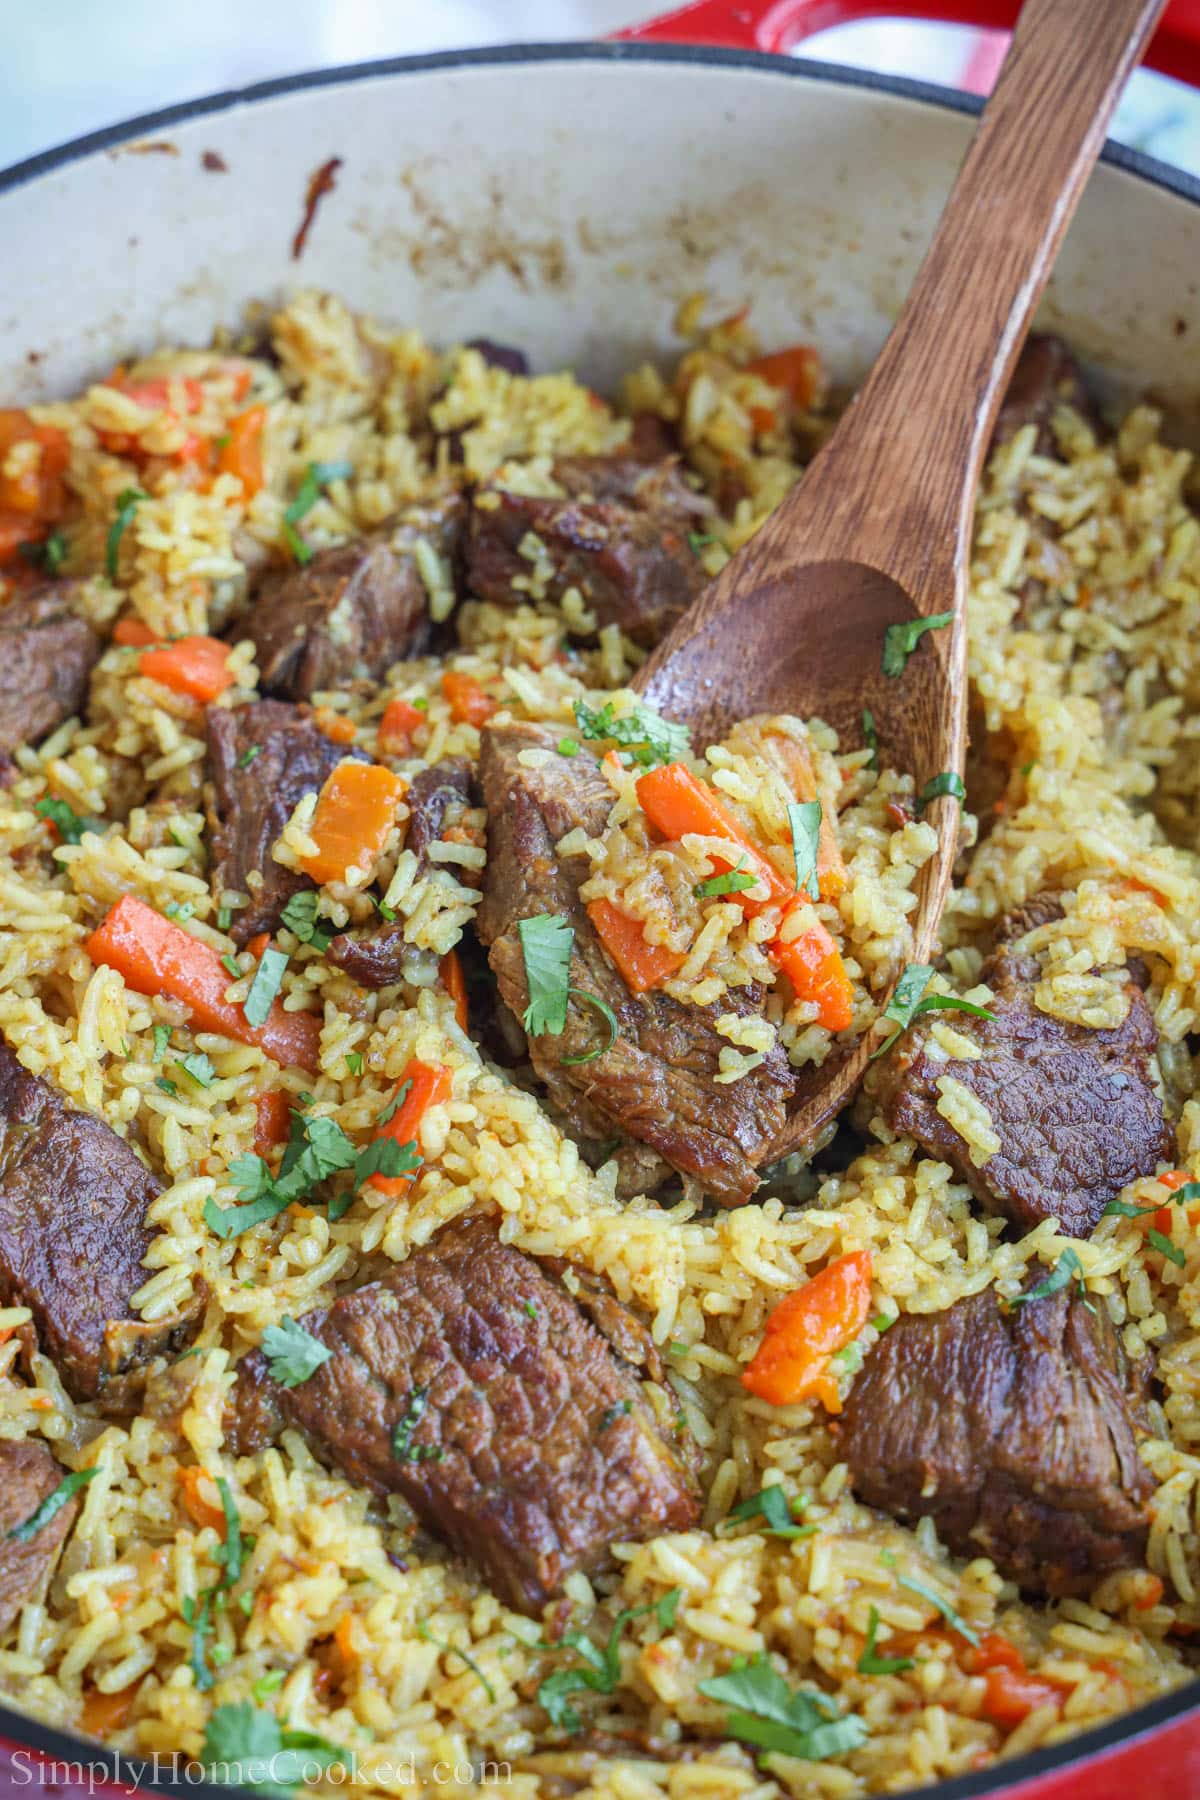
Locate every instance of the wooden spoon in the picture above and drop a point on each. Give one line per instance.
(878, 532)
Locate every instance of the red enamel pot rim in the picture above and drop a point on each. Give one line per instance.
(1152, 1751)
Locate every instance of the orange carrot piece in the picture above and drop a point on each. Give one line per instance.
(335, 725)
(676, 804)
(356, 810)
(430, 1085)
(455, 983)
(105, 1713)
(397, 726)
(35, 493)
(468, 702)
(272, 1119)
(156, 956)
(1012, 1694)
(797, 372)
(642, 965)
(242, 454)
(805, 1330)
(133, 632)
(1154, 1591)
(257, 944)
(813, 964)
(198, 666)
(994, 1651)
(795, 764)
(199, 1508)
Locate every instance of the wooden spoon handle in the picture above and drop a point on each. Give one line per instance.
(921, 424)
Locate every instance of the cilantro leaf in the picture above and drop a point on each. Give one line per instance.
(1166, 1248)
(871, 1663)
(403, 1448)
(804, 817)
(69, 824)
(600, 1670)
(610, 1019)
(229, 1553)
(51, 1505)
(354, 1062)
(162, 1037)
(943, 1606)
(128, 501)
(733, 881)
(1068, 1268)
(395, 1103)
(945, 783)
(198, 1068)
(899, 641)
(546, 943)
(772, 1505)
(870, 737)
(909, 1000)
(317, 477)
(767, 1713)
(423, 1631)
(263, 989)
(300, 915)
(292, 1353)
(697, 540)
(248, 755)
(246, 1748)
(317, 1148)
(651, 738)
(384, 1156)
(1122, 1209)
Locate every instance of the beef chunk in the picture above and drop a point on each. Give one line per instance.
(656, 1083)
(1015, 1430)
(469, 1382)
(46, 656)
(1046, 377)
(73, 1199)
(252, 801)
(500, 356)
(1074, 1108)
(353, 611)
(28, 1475)
(620, 536)
(437, 796)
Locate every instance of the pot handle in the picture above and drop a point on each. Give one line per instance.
(779, 25)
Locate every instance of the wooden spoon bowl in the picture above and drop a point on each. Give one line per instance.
(878, 532)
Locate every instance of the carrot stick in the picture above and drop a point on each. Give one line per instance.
(468, 702)
(335, 725)
(797, 371)
(813, 964)
(677, 805)
(242, 455)
(641, 965)
(399, 722)
(272, 1118)
(430, 1084)
(157, 957)
(132, 631)
(198, 666)
(804, 1331)
(795, 765)
(356, 810)
(103, 1713)
(455, 983)
(199, 1508)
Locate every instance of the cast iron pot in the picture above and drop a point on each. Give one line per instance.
(565, 198)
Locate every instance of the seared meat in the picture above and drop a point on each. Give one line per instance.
(656, 1083)
(353, 611)
(437, 797)
(620, 536)
(73, 1240)
(28, 1475)
(253, 799)
(1075, 1109)
(1015, 1430)
(471, 1383)
(46, 656)
(500, 356)
(1046, 377)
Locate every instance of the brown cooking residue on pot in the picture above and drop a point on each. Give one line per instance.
(214, 162)
(321, 182)
(147, 147)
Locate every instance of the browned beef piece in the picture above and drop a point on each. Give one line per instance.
(1046, 377)
(28, 1475)
(1075, 1109)
(656, 1083)
(353, 610)
(620, 536)
(253, 800)
(500, 356)
(470, 1382)
(46, 657)
(437, 797)
(73, 1199)
(1015, 1430)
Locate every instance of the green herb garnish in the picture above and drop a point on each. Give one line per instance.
(231, 965)
(403, 1448)
(263, 989)
(300, 915)
(909, 1000)
(423, 1631)
(317, 478)
(649, 737)
(69, 824)
(899, 641)
(244, 1747)
(179, 909)
(697, 540)
(198, 1068)
(600, 1669)
(767, 1713)
(1068, 1268)
(943, 1606)
(804, 817)
(941, 785)
(394, 1104)
(354, 1062)
(870, 737)
(771, 1505)
(168, 1087)
(1122, 1209)
(128, 501)
(162, 1037)
(54, 1502)
(733, 881)
(1163, 1244)
(292, 1353)
(568, 746)
(869, 1663)
(546, 943)
(248, 756)
(54, 552)
(317, 1148)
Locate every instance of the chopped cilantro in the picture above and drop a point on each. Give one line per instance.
(168, 1087)
(248, 756)
(909, 1000)
(771, 1505)
(198, 1068)
(128, 501)
(162, 1037)
(265, 986)
(546, 942)
(651, 738)
(54, 552)
(423, 1631)
(69, 824)
(179, 909)
(870, 1663)
(698, 540)
(804, 817)
(943, 1606)
(870, 737)
(244, 1747)
(395, 1103)
(1068, 1268)
(53, 1504)
(300, 915)
(945, 783)
(1123, 1210)
(733, 881)
(767, 1713)
(292, 1353)
(600, 1669)
(354, 1062)
(899, 641)
(568, 746)
(317, 477)
(1166, 1248)
(621, 1409)
(403, 1448)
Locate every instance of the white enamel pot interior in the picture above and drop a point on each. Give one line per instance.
(566, 199)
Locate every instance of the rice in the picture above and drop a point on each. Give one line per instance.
(357, 1628)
